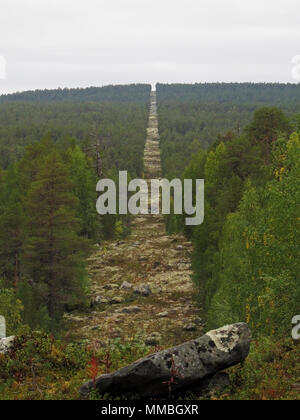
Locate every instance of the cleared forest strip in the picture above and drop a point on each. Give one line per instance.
(141, 286)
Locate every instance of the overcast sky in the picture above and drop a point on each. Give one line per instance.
(71, 43)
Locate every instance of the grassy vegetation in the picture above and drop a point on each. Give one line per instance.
(271, 372)
(38, 367)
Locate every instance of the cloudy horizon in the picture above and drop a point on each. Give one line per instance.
(63, 43)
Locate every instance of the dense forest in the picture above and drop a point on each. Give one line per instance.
(52, 155)
(257, 94)
(191, 117)
(246, 253)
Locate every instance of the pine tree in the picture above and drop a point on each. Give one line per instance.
(54, 252)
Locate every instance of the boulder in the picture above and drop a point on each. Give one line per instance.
(163, 315)
(210, 386)
(6, 344)
(100, 300)
(179, 248)
(116, 300)
(131, 310)
(126, 286)
(112, 286)
(143, 290)
(192, 362)
(190, 327)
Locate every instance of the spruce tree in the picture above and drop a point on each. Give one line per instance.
(54, 252)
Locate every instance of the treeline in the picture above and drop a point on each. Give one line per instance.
(52, 156)
(246, 253)
(259, 94)
(136, 93)
(191, 117)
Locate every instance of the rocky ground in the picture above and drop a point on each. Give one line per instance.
(141, 286)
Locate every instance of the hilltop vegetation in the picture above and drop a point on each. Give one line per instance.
(108, 94)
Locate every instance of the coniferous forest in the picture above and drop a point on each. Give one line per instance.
(242, 139)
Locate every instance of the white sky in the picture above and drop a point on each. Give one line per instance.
(71, 43)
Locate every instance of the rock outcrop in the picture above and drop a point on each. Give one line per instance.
(182, 367)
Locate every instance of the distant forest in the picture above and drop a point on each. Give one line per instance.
(191, 117)
(120, 94)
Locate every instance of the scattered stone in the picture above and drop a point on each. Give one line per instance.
(143, 290)
(190, 327)
(179, 248)
(126, 286)
(116, 300)
(197, 321)
(163, 315)
(195, 360)
(100, 300)
(111, 286)
(6, 344)
(131, 310)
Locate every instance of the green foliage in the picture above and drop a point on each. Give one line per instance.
(54, 252)
(192, 117)
(12, 309)
(50, 144)
(38, 367)
(260, 253)
(83, 181)
(246, 253)
(269, 373)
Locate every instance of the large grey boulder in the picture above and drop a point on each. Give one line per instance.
(190, 363)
